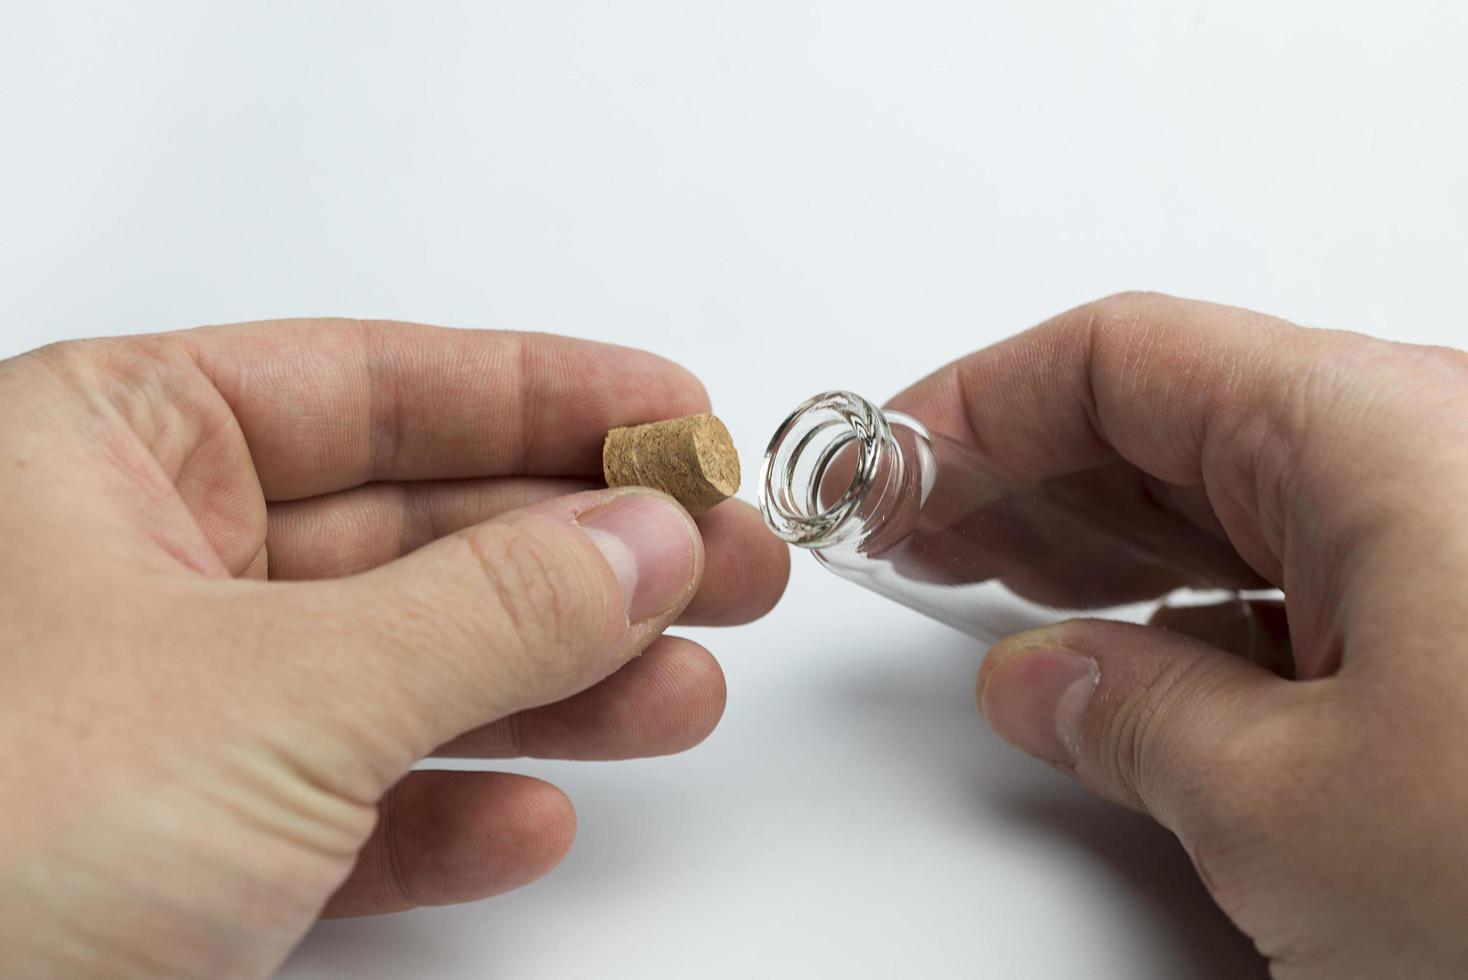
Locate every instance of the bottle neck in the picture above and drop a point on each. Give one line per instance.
(830, 473)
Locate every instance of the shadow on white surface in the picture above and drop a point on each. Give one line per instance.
(1154, 866)
(852, 818)
(1033, 802)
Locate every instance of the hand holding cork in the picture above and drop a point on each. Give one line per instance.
(692, 459)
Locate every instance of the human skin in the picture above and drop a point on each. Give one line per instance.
(201, 761)
(1320, 784)
(250, 574)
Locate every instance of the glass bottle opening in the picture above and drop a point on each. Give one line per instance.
(821, 465)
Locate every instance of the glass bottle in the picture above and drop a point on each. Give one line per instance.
(921, 519)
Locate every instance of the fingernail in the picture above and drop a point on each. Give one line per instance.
(648, 541)
(1035, 700)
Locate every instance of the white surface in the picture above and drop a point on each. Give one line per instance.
(785, 197)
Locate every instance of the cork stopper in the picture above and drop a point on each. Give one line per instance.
(691, 459)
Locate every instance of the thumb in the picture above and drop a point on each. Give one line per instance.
(1147, 717)
(515, 612)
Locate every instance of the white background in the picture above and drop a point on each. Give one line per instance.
(785, 197)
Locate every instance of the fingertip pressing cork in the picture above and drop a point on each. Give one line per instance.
(691, 459)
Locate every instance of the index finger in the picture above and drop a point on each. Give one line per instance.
(325, 405)
(1140, 376)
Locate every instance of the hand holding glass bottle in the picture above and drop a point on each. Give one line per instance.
(1142, 443)
(925, 520)
(1107, 458)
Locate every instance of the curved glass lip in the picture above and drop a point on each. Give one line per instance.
(792, 512)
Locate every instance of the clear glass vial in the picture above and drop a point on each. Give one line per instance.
(919, 518)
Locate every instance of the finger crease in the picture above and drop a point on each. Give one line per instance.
(393, 835)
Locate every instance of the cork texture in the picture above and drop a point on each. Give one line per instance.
(691, 459)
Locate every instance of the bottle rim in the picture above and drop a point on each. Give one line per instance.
(796, 460)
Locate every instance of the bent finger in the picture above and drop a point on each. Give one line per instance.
(1268, 419)
(667, 700)
(329, 404)
(447, 837)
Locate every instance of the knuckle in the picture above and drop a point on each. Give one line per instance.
(1137, 745)
(134, 375)
(1119, 335)
(69, 361)
(1120, 748)
(540, 605)
(1120, 312)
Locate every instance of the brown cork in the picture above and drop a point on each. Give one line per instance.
(691, 459)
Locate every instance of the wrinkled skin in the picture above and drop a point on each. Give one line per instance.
(1320, 783)
(203, 761)
(202, 758)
